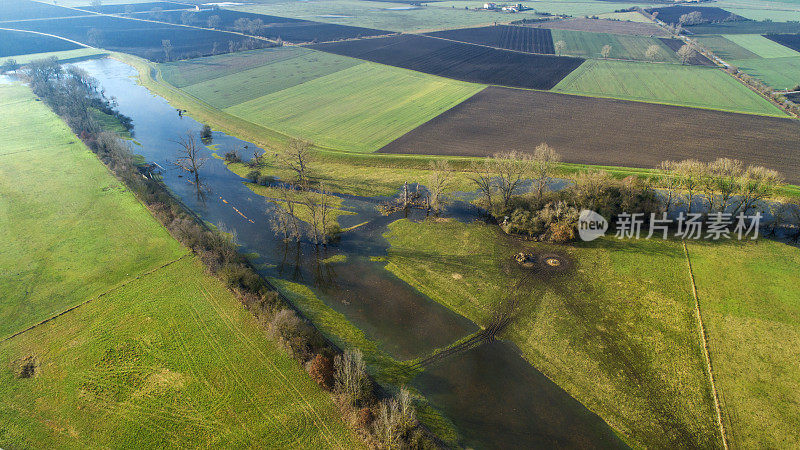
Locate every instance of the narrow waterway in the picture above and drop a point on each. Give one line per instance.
(493, 396)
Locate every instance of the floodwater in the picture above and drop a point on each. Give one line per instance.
(493, 396)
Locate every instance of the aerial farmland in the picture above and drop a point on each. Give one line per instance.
(399, 225)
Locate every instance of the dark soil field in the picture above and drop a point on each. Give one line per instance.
(522, 39)
(459, 61)
(26, 9)
(711, 14)
(136, 7)
(289, 30)
(604, 131)
(602, 26)
(22, 43)
(138, 37)
(788, 40)
(697, 60)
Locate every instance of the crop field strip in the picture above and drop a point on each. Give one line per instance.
(361, 108)
(779, 73)
(762, 46)
(603, 26)
(791, 41)
(136, 7)
(522, 39)
(745, 27)
(590, 45)
(604, 131)
(286, 68)
(167, 359)
(459, 61)
(700, 87)
(14, 43)
(275, 27)
(138, 37)
(725, 48)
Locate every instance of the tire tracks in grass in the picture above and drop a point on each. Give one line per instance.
(706, 353)
(102, 294)
(309, 410)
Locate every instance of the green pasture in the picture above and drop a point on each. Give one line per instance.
(725, 48)
(779, 73)
(64, 56)
(761, 46)
(169, 360)
(700, 87)
(158, 354)
(278, 74)
(193, 71)
(578, 8)
(616, 330)
(360, 109)
(589, 45)
(749, 296)
(70, 230)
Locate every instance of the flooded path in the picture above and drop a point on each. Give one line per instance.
(493, 396)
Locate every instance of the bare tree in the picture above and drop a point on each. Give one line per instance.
(510, 168)
(189, 156)
(350, 377)
(438, 181)
(652, 52)
(559, 47)
(690, 172)
(545, 160)
(187, 17)
(721, 183)
(692, 18)
(605, 52)
(9, 65)
(97, 3)
(214, 21)
(481, 174)
(757, 184)
(396, 418)
(166, 44)
(319, 209)
(296, 157)
(670, 182)
(685, 53)
(94, 37)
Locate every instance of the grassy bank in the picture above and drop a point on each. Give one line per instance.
(616, 330)
(160, 354)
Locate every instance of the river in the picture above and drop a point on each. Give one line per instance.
(490, 393)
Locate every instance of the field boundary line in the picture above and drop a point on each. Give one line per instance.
(706, 354)
(102, 294)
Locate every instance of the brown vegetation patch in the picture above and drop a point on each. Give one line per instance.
(604, 131)
(26, 367)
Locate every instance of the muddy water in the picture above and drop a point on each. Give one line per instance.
(493, 396)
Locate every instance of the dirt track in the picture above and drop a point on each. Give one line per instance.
(604, 131)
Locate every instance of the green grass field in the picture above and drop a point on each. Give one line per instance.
(751, 309)
(278, 74)
(701, 87)
(616, 331)
(589, 45)
(193, 71)
(380, 15)
(761, 46)
(165, 357)
(359, 109)
(66, 55)
(779, 73)
(70, 231)
(725, 48)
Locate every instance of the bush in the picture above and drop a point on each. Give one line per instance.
(265, 180)
(291, 331)
(232, 157)
(321, 370)
(364, 417)
(253, 176)
(351, 378)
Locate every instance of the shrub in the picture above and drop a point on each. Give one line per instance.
(364, 417)
(265, 180)
(321, 370)
(253, 176)
(351, 378)
(291, 331)
(232, 157)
